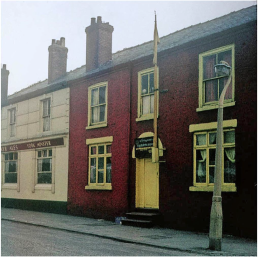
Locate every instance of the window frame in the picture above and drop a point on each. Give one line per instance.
(214, 104)
(148, 116)
(4, 168)
(43, 158)
(101, 123)
(12, 124)
(48, 115)
(228, 125)
(96, 142)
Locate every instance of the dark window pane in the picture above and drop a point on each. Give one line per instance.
(208, 66)
(225, 56)
(15, 156)
(93, 150)
(100, 176)
(101, 149)
(151, 82)
(44, 178)
(211, 91)
(44, 153)
(229, 137)
(108, 148)
(211, 174)
(212, 138)
(10, 156)
(212, 156)
(102, 95)
(102, 113)
(101, 163)
(229, 166)
(6, 156)
(145, 88)
(201, 166)
(93, 170)
(49, 153)
(108, 172)
(10, 177)
(12, 166)
(47, 164)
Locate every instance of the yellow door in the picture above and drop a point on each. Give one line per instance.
(147, 184)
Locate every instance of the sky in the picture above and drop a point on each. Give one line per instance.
(28, 27)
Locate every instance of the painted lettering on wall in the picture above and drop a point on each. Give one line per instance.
(32, 145)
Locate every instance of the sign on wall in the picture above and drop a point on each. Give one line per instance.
(33, 144)
(143, 147)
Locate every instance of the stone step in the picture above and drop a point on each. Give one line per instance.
(143, 216)
(138, 223)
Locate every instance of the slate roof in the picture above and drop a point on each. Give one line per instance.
(177, 38)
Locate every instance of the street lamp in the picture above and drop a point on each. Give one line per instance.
(216, 217)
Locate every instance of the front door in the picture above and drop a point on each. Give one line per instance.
(147, 184)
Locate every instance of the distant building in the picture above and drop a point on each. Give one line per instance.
(35, 140)
(111, 172)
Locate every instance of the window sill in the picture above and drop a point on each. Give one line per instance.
(99, 187)
(102, 125)
(145, 117)
(13, 186)
(44, 187)
(224, 188)
(214, 106)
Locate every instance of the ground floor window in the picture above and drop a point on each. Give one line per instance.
(204, 158)
(44, 166)
(100, 164)
(10, 167)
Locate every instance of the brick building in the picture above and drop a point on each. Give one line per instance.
(112, 109)
(111, 126)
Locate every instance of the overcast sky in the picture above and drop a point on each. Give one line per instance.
(28, 27)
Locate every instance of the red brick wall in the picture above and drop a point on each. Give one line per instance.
(100, 204)
(178, 72)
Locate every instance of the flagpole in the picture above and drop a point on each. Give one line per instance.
(155, 119)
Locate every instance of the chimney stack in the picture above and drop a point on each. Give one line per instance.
(4, 84)
(99, 43)
(57, 61)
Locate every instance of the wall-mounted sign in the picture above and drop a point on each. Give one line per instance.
(143, 142)
(33, 144)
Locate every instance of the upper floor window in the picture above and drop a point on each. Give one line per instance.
(12, 121)
(10, 167)
(211, 85)
(146, 94)
(46, 114)
(97, 107)
(44, 166)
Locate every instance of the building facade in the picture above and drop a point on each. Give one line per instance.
(111, 127)
(35, 140)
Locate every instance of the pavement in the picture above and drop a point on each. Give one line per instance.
(185, 241)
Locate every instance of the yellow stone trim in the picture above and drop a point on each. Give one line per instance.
(212, 125)
(224, 188)
(91, 141)
(102, 125)
(215, 106)
(99, 187)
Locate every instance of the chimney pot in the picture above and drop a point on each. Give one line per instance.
(93, 20)
(99, 19)
(57, 62)
(4, 84)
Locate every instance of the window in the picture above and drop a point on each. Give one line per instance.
(46, 114)
(12, 121)
(145, 94)
(44, 166)
(204, 159)
(97, 109)
(100, 165)
(10, 167)
(211, 85)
